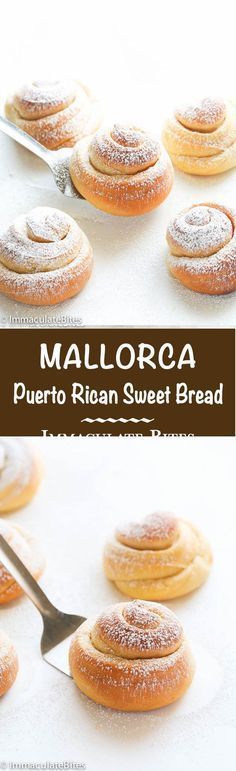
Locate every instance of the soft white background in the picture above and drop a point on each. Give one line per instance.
(89, 487)
(141, 58)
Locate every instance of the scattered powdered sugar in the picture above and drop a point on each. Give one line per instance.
(156, 574)
(137, 629)
(216, 269)
(57, 114)
(117, 672)
(34, 268)
(139, 674)
(42, 97)
(205, 115)
(157, 531)
(199, 231)
(55, 241)
(123, 150)
(122, 187)
(45, 225)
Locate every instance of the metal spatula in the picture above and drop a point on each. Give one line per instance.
(58, 627)
(57, 160)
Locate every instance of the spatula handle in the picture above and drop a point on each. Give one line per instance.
(23, 577)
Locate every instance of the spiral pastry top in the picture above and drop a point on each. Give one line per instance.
(133, 657)
(123, 171)
(26, 547)
(45, 257)
(8, 663)
(20, 474)
(55, 113)
(202, 242)
(158, 559)
(201, 137)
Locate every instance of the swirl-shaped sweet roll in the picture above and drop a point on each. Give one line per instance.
(20, 474)
(158, 559)
(8, 663)
(124, 171)
(201, 137)
(133, 657)
(202, 242)
(45, 257)
(55, 113)
(27, 549)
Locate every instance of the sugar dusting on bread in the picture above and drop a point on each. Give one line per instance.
(42, 252)
(157, 530)
(204, 245)
(208, 112)
(117, 678)
(56, 114)
(137, 629)
(200, 230)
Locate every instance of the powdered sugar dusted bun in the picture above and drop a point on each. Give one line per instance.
(123, 171)
(202, 243)
(158, 559)
(201, 137)
(20, 474)
(45, 257)
(8, 663)
(56, 113)
(133, 657)
(27, 548)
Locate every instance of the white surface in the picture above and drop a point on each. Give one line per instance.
(89, 487)
(142, 60)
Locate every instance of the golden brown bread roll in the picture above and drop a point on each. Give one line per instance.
(55, 113)
(20, 474)
(133, 657)
(123, 171)
(45, 257)
(27, 549)
(201, 137)
(158, 559)
(202, 243)
(8, 663)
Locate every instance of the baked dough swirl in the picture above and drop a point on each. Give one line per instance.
(45, 257)
(55, 113)
(201, 138)
(134, 657)
(202, 242)
(8, 663)
(20, 474)
(158, 559)
(123, 171)
(26, 547)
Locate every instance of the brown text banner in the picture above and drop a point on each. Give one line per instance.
(149, 382)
